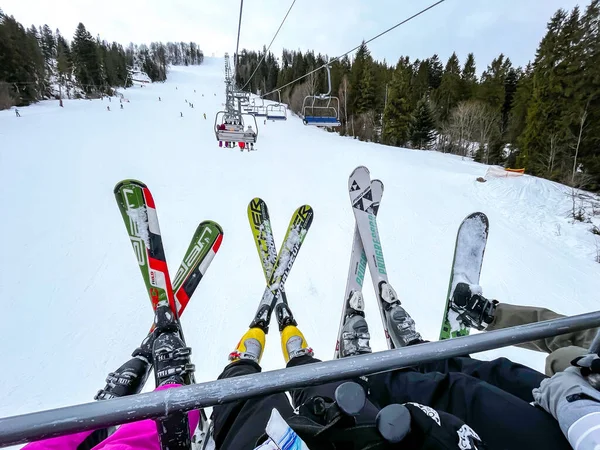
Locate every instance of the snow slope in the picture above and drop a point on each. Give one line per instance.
(71, 292)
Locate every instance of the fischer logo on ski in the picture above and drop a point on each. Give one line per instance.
(353, 298)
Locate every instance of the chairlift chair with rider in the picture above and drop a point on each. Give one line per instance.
(235, 129)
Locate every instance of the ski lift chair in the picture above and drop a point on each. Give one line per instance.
(277, 111)
(234, 128)
(322, 110)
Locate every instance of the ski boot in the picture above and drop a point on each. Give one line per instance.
(400, 324)
(354, 335)
(172, 364)
(293, 343)
(251, 346)
(473, 309)
(131, 377)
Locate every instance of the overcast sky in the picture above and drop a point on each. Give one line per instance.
(484, 27)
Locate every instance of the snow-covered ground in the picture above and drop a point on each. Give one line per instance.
(72, 297)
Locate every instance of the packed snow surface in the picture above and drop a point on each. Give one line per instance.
(72, 296)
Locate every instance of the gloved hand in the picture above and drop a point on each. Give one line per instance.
(590, 368)
(574, 403)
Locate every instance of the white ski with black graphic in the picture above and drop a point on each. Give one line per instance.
(365, 207)
(353, 298)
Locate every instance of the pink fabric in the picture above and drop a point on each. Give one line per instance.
(70, 441)
(141, 435)
(132, 436)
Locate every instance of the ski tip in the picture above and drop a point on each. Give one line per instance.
(211, 223)
(480, 216)
(257, 204)
(377, 183)
(358, 180)
(217, 245)
(305, 211)
(122, 183)
(360, 169)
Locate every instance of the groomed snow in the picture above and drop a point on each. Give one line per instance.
(73, 301)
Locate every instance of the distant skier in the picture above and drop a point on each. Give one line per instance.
(204, 116)
(241, 145)
(159, 99)
(121, 105)
(181, 114)
(108, 107)
(17, 113)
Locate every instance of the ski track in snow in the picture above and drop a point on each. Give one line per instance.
(70, 284)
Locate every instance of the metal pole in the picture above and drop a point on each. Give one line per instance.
(595, 345)
(237, 45)
(45, 424)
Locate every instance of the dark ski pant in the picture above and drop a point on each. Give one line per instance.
(240, 424)
(492, 397)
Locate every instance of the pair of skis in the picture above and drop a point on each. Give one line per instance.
(138, 211)
(365, 197)
(276, 266)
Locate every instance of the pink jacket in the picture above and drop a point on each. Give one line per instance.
(132, 436)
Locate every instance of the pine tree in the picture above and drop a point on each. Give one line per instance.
(436, 71)
(510, 88)
(397, 115)
(469, 78)
(86, 60)
(64, 63)
(543, 124)
(361, 75)
(48, 44)
(520, 104)
(448, 94)
(419, 82)
(422, 132)
(491, 89)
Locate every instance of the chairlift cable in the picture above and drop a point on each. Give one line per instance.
(269, 47)
(357, 47)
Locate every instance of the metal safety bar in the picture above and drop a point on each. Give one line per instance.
(56, 422)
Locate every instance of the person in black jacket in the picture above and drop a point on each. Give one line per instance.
(470, 404)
